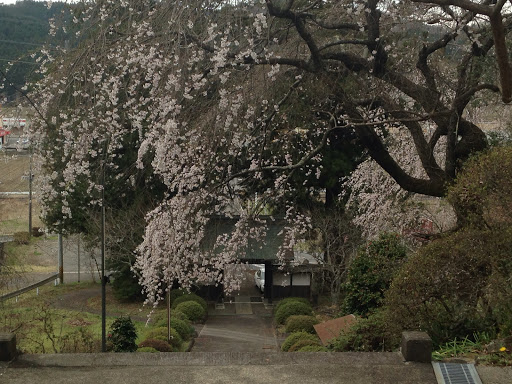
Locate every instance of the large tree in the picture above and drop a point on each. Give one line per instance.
(228, 99)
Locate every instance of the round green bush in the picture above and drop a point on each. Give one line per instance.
(301, 344)
(159, 345)
(298, 323)
(160, 320)
(291, 308)
(179, 315)
(175, 293)
(289, 300)
(183, 327)
(190, 297)
(193, 310)
(160, 333)
(313, 348)
(295, 337)
(147, 349)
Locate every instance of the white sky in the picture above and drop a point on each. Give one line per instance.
(10, 1)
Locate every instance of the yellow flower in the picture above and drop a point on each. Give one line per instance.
(503, 349)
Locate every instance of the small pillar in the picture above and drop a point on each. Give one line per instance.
(416, 346)
(7, 346)
(269, 282)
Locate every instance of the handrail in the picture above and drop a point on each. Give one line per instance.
(28, 288)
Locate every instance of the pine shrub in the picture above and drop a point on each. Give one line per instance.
(122, 335)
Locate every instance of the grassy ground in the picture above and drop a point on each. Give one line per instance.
(33, 256)
(13, 167)
(14, 210)
(66, 318)
(14, 215)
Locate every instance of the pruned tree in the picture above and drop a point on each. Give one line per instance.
(228, 99)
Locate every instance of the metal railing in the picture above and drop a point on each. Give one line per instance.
(28, 288)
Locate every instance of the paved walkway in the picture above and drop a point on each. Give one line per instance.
(240, 326)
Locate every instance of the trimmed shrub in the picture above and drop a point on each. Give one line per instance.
(160, 333)
(159, 345)
(21, 238)
(301, 344)
(160, 319)
(291, 308)
(313, 348)
(297, 323)
(183, 327)
(179, 315)
(147, 349)
(289, 300)
(193, 310)
(175, 293)
(295, 337)
(122, 335)
(190, 297)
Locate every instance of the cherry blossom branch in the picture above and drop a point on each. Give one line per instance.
(26, 96)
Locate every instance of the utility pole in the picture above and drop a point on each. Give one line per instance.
(103, 277)
(61, 260)
(78, 254)
(169, 314)
(30, 196)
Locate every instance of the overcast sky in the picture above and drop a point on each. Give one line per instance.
(9, 1)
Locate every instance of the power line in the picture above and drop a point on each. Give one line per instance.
(14, 61)
(20, 42)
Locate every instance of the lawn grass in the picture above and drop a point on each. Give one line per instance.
(42, 326)
(14, 215)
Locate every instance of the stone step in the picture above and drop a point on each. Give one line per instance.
(348, 359)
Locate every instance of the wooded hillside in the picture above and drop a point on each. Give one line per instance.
(23, 30)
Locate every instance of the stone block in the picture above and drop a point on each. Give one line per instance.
(416, 346)
(7, 346)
